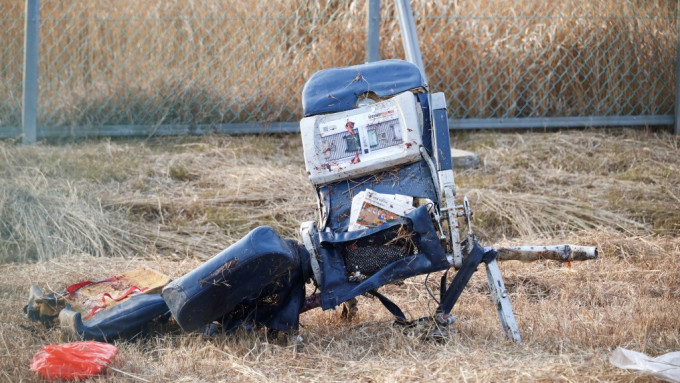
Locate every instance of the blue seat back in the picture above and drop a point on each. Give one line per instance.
(377, 255)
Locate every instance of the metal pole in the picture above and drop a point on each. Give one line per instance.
(30, 105)
(677, 78)
(408, 34)
(373, 31)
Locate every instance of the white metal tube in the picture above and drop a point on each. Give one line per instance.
(409, 36)
(373, 31)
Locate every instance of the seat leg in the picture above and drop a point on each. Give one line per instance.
(500, 298)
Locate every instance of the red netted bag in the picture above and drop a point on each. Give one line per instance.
(73, 360)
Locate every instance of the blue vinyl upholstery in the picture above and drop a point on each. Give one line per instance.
(337, 89)
(258, 276)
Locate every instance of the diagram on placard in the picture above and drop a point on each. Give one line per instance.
(360, 134)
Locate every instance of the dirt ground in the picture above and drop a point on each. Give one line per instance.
(172, 203)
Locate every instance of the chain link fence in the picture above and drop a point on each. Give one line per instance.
(518, 59)
(199, 63)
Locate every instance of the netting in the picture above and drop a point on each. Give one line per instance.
(194, 62)
(370, 254)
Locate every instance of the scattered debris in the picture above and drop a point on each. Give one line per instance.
(73, 360)
(92, 297)
(666, 366)
(105, 309)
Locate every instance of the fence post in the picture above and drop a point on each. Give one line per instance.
(373, 31)
(677, 78)
(30, 105)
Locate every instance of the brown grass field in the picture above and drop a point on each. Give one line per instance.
(91, 209)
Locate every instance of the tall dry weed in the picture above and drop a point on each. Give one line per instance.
(200, 62)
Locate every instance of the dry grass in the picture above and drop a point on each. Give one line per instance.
(186, 198)
(42, 215)
(109, 63)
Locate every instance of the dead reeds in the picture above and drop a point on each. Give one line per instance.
(200, 62)
(39, 225)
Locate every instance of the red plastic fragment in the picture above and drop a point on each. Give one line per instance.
(73, 360)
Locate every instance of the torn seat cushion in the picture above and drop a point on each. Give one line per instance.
(260, 270)
(339, 257)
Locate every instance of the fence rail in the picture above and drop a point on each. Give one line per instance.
(195, 66)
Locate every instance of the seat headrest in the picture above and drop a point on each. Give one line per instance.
(337, 89)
